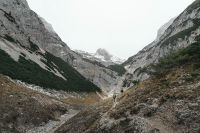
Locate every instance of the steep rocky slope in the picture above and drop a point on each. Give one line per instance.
(23, 32)
(41, 68)
(167, 102)
(178, 33)
(23, 109)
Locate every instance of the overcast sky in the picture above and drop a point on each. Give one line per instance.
(123, 27)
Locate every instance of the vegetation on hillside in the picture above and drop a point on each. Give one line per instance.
(169, 96)
(9, 38)
(182, 34)
(118, 68)
(158, 104)
(30, 72)
(94, 62)
(189, 55)
(172, 98)
(193, 6)
(33, 47)
(128, 82)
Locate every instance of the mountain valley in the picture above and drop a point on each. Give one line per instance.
(46, 87)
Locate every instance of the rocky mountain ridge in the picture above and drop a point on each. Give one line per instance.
(23, 29)
(178, 33)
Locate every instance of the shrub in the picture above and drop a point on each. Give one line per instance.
(135, 82)
(197, 38)
(142, 70)
(9, 38)
(33, 47)
(126, 83)
(196, 65)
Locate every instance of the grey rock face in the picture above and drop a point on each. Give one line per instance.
(162, 30)
(177, 33)
(104, 78)
(25, 27)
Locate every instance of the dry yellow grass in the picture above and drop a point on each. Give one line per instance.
(91, 98)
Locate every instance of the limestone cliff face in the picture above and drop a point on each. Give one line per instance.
(24, 27)
(177, 33)
(104, 78)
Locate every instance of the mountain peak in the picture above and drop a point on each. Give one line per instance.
(47, 25)
(163, 28)
(103, 53)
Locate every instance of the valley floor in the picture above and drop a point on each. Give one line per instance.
(170, 104)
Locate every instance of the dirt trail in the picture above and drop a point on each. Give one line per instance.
(101, 117)
(52, 126)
